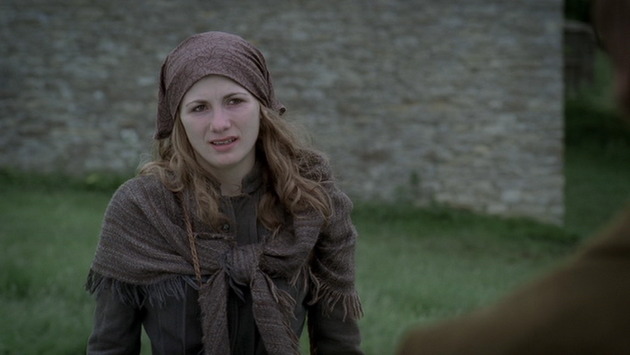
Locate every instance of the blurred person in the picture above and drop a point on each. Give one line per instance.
(612, 28)
(235, 233)
(581, 308)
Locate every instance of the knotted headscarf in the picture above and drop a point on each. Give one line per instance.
(205, 54)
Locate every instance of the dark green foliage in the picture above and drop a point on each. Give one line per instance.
(588, 125)
(577, 10)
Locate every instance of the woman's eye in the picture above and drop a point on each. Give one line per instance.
(199, 108)
(235, 101)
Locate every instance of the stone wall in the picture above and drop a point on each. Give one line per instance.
(452, 102)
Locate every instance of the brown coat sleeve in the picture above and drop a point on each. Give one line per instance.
(117, 326)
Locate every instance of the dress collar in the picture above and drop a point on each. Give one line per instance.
(253, 180)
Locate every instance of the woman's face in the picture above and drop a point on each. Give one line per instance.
(221, 120)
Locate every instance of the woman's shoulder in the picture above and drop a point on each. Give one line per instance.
(150, 182)
(143, 187)
(315, 165)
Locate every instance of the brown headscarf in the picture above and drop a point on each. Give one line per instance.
(205, 54)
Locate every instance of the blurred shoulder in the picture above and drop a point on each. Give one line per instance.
(142, 187)
(315, 166)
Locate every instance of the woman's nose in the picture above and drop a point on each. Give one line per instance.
(220, 121)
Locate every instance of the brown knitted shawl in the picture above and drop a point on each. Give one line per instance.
(144, 243)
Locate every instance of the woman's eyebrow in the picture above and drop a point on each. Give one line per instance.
(237, 93)
(195, 101)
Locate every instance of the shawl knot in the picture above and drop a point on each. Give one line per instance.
(240, 265)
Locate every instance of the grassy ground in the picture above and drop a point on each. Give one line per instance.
(413, 266)
(419, 266)
(46, 245)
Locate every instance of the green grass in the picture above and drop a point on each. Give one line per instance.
(414, 265)
(47, 241)
(417, 266)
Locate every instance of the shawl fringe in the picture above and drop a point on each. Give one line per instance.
(329, 297)
(286, 304)
(139, 295)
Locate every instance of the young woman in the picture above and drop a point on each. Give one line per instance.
(235, 233)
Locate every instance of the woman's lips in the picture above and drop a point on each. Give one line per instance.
(223, 143)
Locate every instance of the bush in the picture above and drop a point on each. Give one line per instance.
(578, 10)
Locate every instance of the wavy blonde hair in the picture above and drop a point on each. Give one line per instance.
(289, 177)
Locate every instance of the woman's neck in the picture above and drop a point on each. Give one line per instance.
(231, 180)
(231, 189)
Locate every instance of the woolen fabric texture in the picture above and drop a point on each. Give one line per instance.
(209, 53)
(144, 242)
